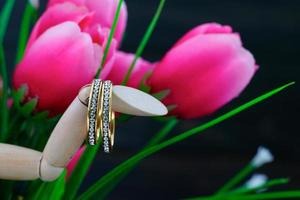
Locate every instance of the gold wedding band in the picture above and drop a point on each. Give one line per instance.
(107, 117)
(100, 116)
(94, 106)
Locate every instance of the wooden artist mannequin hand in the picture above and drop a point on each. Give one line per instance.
(19, 163)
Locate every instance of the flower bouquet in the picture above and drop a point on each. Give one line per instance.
(71, 42)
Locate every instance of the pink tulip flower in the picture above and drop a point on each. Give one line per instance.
(104, 13)
(121, 65)
(72, 164)
(80, 15)
(205, 69)
(57, 64)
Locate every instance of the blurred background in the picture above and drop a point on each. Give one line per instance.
(203, 163)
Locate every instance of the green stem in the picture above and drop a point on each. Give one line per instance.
(153, 141)
(28, 17)
(149, 151)
(162, 133)
(14, 121)
(80, 171)
(4, 19)
(262, 196)
(4, 97)
(267, 185)
(6, 189)
(236, 179)
(207, 198)
(110, 38)
(243, 190)
(269, 195)
(144, 41)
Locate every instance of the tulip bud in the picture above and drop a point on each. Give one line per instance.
(204, 70)
(262, 157)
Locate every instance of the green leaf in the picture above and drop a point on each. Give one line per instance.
(104, 191)
(28, 18)
(4, 97)
(157, 138)
(269, 195)
(261, 196)
(51, 190)
(145, 40)
(161, 95)
(19, 95)
(267, 185)
(40, 116)
(4, 17)
(123, 118)
(236, 179)
(110, 38)
(32, 188)
(29, 107)
(153, 149)
(58, 188)
(6, 189)
(80, 171)
(243, 190)
(143, 85)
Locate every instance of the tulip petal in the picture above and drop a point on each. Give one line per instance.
(76, 2)
(105, 11)
(208, 28)
(57, 14)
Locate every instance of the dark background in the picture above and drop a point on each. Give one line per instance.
(201, 164)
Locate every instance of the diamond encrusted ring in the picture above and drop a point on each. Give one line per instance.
(107, 118)
(94, 107)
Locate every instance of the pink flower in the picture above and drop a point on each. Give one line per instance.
(205, 69)
(72, 164)
(104, 13)
(57, 64)
(121, 65)
(63, 53)
(67, 11)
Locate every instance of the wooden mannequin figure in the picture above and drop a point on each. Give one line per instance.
(19, 163)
